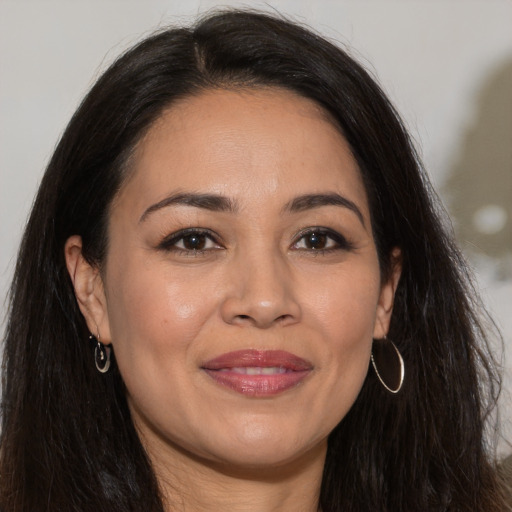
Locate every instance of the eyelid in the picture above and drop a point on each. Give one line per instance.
(169, 242)
(342, 242)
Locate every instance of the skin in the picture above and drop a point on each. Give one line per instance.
(258, 282)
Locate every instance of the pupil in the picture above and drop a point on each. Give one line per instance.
(194, 242)
(316, 240)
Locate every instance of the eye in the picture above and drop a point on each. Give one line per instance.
(191, 241)
(321, 240)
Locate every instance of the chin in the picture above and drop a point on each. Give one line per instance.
(261, 449)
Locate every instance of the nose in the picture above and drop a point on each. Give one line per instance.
(262, 294)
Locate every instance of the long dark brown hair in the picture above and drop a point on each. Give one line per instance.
(68, 442)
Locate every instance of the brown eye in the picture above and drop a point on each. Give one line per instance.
(315, 240)
(322, 240)
(191, 241)
(195, 242)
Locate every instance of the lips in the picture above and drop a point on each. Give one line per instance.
(258, 373)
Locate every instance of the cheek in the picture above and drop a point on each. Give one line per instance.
(154, 320)
(344, 316)
(154, 313)
(346, 308)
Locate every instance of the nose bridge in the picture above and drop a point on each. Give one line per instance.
(263, 294)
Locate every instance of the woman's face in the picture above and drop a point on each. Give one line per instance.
(241, 290)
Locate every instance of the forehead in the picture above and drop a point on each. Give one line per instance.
(241, 142)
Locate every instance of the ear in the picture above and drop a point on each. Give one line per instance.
(387, 296)
(89, 289)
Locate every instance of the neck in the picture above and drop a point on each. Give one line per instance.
(191, 484)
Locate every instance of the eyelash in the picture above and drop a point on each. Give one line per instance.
(340, 242)
(170, 242)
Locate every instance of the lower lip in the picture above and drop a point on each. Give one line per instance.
(258, 385)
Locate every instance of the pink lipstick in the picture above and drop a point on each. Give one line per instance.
(258, 373)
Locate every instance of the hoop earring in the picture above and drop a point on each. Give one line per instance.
(387, 357)
(101, 354)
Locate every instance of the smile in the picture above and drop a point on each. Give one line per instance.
(258, 373)
(256, 370)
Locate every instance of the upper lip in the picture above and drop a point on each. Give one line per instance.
(258, 358)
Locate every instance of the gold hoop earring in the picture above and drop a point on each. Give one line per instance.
(388, 364)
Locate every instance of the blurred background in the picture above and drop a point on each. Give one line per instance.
(446, 64)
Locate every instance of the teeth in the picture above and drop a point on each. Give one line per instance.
(272, 370)
(256, 370)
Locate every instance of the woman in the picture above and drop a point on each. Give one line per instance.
(237, 221)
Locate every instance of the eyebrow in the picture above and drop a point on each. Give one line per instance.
(218, 203)
(211, 202)
(310, 201)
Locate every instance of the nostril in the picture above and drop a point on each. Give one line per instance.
(279, 319)
(248, 310)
